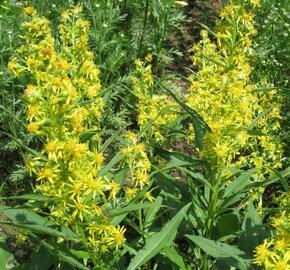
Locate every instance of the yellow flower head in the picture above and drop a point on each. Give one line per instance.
(33, 127)
(29, 11)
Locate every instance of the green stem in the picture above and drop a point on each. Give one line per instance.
(84, 241)
(144, 27)
(212, 208)
(141, 224)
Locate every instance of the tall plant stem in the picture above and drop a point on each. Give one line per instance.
(212, 210)
(144, 27)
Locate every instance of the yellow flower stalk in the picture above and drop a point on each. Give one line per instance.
(154, 110)
(63, 101)
(139, 165)
(243, 119)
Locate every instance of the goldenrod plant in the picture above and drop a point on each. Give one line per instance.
(64, 101)
(139, 166)
(243, 119)
(156, 113)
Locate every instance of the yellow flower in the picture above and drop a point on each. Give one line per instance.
(130, 193)
(255, 3)
(80, 209)
(114, 189)
(148, 196)
(15, 68)
(95, 186)
(262, 253)
(99, 159)
(141, 178)
(149, 57)
(277, 221)
(28, 11)
(61, 102)
(46, 173)
(282, 264)
(138, 63)
(32, 112)
(222, 94)
(280, 244)
(33, 127)
(30, 90)
(118, 235)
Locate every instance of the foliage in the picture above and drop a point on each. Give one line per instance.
(127, 164)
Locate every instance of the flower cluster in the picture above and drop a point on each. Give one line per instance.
(242, 118)
(139, 167)
(275, 253)
(63, 102)
(154, 110)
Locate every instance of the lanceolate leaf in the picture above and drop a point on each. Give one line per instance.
(36, 223)
(157, 241)
(131, 207)
(61, 252)
(200, 126)
(172, 254)
(229, 254)
(35, 197)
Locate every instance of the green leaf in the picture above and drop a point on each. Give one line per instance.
(120, 213)
(62, 252)
(221, 251)
(151, 213)
(282, 179)
(257, 119)
(159, 240)
(80, 254)
(285, 174)
(7, 260)
(115, 160)
(35, 197)
(180, 158)
(39, 260)
(237, 185)
(200, 126)
(20, 143)
(131, 207)
(227, 224)
(31, 221)
(87, 135)
(254, 232)
(172, 254)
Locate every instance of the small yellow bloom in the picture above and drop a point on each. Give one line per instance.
(15, 68)
(149, 57)
(30, 90)
(99, 159)
(28, 11)
(33, 127)
(118, 235)
(114, 189)
(262, 253)
(130, 193)
(149, 197)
